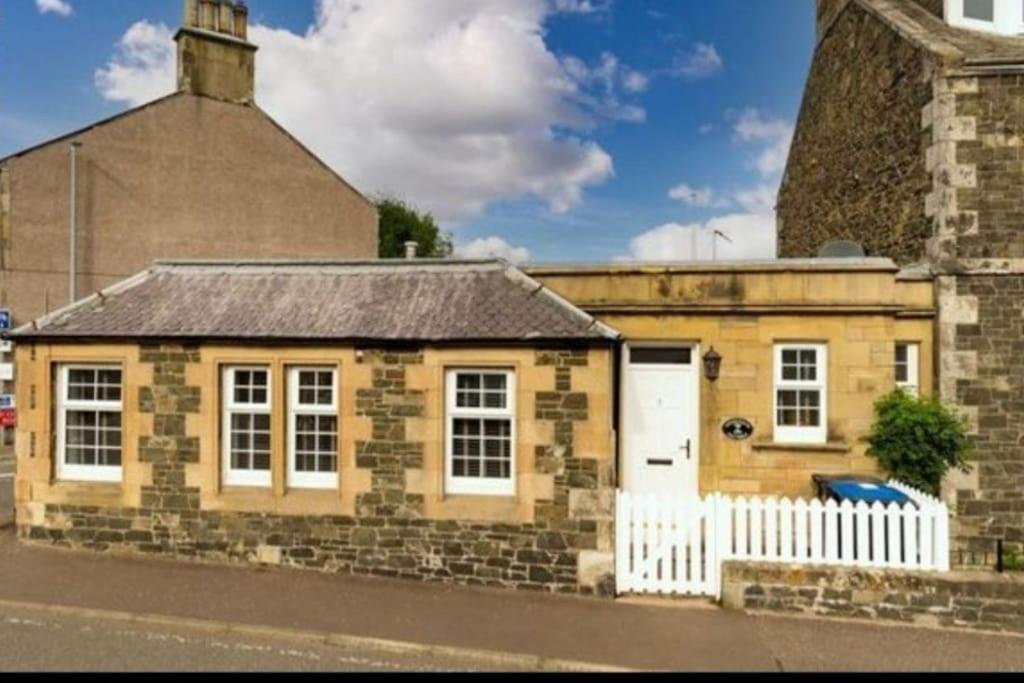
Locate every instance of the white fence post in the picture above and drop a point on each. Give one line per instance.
(677, 545)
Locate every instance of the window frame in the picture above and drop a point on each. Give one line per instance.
(479, 486)
(1007, 17)
(783, 434)
(237, 477)
(913, 383)
(85, 473)
(312, 480)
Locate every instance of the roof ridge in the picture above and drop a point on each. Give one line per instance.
(538, 289)
(99, 297)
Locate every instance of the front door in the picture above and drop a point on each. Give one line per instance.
(661, 445)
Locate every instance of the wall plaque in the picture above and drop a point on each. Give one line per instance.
(738, 429)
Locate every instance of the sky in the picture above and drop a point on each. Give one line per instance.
(535, 130)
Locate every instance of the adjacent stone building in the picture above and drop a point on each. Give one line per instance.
(439, 421)
(910, 142)
(200, 173)
(448, 421)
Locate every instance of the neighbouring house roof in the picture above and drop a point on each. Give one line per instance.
(370, 301)
(956, 45)
(65, 137)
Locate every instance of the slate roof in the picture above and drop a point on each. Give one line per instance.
(386, 301)
(957, 45)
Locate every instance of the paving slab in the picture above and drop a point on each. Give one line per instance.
(557, 627)
(643, 634)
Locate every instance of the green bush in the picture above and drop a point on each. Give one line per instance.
(918, 440)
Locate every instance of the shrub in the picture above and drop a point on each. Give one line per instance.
(917, 440)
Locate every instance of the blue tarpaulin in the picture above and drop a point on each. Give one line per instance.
(857, 491)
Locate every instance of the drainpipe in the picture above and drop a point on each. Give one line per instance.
(73, 226)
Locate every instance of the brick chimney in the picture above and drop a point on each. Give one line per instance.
(215, 57)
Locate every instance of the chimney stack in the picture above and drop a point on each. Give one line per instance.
(215, 57)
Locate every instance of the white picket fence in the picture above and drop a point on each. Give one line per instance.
(674, 545)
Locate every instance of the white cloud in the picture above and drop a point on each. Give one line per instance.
(775, 134)
(752, 235)
(751, 222)
(451, 104)
(634, 81)
(493, 247)
(694, 196)
(143, 66)
(582, 6)
(602, 83)
(758, 198)
(701, 61)
(58, 7)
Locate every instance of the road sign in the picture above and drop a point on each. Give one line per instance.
(6, 372)
(6, 346)
(8, 417)
(5, 319)
(6, 401)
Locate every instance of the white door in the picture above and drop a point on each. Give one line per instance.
(661, 446)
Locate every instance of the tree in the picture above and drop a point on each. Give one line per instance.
(401, 223)
(918, 440)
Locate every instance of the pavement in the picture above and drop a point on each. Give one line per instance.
(6, 486)
(201, 616)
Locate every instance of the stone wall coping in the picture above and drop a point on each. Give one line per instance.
(830, 447)
(810, 265)
(800, 574)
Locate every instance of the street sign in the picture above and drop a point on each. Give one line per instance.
(6, 372)
(8, 417)
(5, 319)
(6, 346)
(6, 401)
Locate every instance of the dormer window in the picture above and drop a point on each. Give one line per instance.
(994, 16)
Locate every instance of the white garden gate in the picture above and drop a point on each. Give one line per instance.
(676, 546)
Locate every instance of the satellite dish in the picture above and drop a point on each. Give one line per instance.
(841, 249)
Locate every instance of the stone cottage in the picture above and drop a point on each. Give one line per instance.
(451, 421)
(910, 141)
(442, 421)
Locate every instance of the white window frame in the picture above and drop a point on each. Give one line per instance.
(913, 383)
(801, 435)
(236, 477)
(312, 480)
(85, 473)
(1008, 17)
(480, 486)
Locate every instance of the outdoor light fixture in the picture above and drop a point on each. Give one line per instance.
(712, 364)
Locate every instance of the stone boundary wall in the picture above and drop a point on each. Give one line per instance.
(973, 600)
(566, 549)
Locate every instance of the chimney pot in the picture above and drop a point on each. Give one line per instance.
(207, 15)
(241, 21)
(410, 250)
(226, 17)
(192, 13)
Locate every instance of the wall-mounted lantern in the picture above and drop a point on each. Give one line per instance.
(712, 364)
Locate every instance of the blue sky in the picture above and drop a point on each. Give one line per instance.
(553, 130)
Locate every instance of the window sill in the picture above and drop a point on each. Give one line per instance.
(832, 447)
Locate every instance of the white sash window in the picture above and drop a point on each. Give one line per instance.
(246, 426)
(801, 396)
(994, 16)
(89, 434)
(313, 428)
(480, 432)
